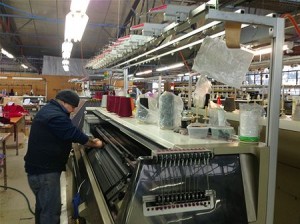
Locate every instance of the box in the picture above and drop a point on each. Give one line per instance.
(222, 132)
(197, 130)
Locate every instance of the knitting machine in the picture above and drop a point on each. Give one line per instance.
(134, 180)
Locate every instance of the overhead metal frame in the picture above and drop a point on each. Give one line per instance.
(276, 32)
(276, 28)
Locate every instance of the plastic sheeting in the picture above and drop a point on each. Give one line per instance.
(53, 66)
(225, 65)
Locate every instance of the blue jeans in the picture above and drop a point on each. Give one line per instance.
(46, 188)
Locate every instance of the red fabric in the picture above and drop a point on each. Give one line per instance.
(14, 111)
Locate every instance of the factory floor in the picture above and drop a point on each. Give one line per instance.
(14, 208)
(13, 205)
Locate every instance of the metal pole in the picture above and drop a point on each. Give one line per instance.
(190, 93)
(273, 112)
(125, 72)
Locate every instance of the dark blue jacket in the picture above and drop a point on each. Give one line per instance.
(50, 140)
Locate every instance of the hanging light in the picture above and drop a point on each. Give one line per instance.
(144, 72)
(75, 26)
(170, 67)
(24, 66)
(66, 54)
(66, 68)
(6, 53)
(66, 46)
(79, 5)
(65, 62)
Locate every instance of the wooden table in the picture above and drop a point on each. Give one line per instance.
(3, 138)
(15, 123)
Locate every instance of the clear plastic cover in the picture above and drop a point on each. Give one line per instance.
(203, 87)
(170, 109)
(222, 177)
(249, 122)
(147, 115)
(217, 117)
(225, 65)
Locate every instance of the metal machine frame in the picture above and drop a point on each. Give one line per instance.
(265, 153)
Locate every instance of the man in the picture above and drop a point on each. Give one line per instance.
(49, 145)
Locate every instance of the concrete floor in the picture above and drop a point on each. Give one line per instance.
(13, 206)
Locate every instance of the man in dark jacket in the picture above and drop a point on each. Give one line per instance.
(50, 141)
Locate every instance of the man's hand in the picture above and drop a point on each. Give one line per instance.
(95, 143)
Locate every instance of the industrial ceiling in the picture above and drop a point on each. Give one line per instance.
(32, 29)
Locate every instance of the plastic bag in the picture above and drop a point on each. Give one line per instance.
(249, 122)
(203, 87)
(147, 115)
(225, 65)
(217, 117)
(170, 109)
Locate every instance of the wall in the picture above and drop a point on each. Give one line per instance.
(49, 86)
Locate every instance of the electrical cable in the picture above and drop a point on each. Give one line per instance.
(293, 21)
(28, 203)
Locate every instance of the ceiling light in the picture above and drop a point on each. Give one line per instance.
(75, 26)
(170, 67)
(6, 53)
(66, 54)
(137, 78)
(65, 62)
(24, 66)
(200, 29)
(79, 5)
(3, 77)
(66, 46)
(144, 72)
(26, 78)
(66, 68)
(268, 50)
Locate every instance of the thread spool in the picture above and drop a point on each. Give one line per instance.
(98, 95)
(125, 107)
(116, 104)
(110, 103)
(229, 104)
(104, 101)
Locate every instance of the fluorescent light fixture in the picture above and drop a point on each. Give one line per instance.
(79, 5)
(131, 75)
(180, 75)
(24, 66)
(170, 67)
(27, 78)
(3, 77)
(66, 46)
(6, 53)
(65, 62)
(200, 29)
(137, 78)
(75, 26)
(66, 68)
(144, 72)
(268, 50)
(66, 54)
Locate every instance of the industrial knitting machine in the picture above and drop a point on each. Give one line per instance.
(135, 180)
